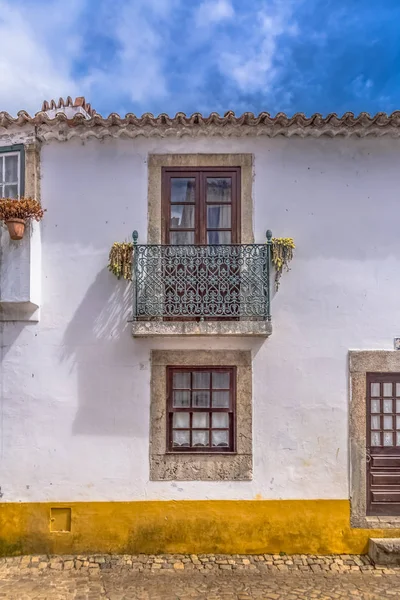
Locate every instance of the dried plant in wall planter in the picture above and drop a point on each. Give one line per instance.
(120, 260)
(282, 254)
(15, 213)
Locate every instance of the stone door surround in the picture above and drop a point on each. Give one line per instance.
(362, 362)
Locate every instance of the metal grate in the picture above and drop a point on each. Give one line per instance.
(226, 281)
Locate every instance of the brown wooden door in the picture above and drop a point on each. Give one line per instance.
(383, 444)
(200, 207)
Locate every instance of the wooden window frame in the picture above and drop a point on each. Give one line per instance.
(200, 174)
(231, 411)
(17, 150)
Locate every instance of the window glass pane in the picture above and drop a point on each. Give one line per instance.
(220, 380)
(220, 420)
(220, 399)
(181, 399)
(398, 438)
(181, 438)
(11, 191)
(375, 422)
(1, 168)
(387, 423)
(398, 406)
(11, 168)
(375, 406)
(183, 189)
(375, 439)
(219, 237)
(180, 420)
(220, 438)
(182, 238)
(200, 420)
(387, 389)
(200, 438)
(1, 191)
(201, 380)
(375, 389)
(181, 380)
(397, 389)
(182, 216)
(387, 439)
(387, 406)
(200, 399)
(219, 189)
(397, 422)
(219, 216)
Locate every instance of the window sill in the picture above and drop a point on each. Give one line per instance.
(199, 453)
(145, 329)
(198, 466)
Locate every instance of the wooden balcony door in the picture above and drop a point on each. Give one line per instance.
(383, 444)
(201, 206)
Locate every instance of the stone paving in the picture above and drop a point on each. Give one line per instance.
(196, 577)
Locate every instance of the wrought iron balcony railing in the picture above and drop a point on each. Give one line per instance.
(227, 281)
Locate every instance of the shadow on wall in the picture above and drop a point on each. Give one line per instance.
(98, 347)
(10, 332)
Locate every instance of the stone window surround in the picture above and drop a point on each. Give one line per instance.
(32, 171)
(362, 362)
(157, 161)
(175, 466)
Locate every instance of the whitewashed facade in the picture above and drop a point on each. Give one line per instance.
(75, 384)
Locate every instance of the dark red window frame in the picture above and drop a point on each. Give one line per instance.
(200, 200)
(383, 460)
(231, 410)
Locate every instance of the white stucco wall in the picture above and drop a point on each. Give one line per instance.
(75, 386)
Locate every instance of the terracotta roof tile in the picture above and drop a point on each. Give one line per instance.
(229, 124)
(80, 101)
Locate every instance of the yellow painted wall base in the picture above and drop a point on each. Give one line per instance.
(206, 526)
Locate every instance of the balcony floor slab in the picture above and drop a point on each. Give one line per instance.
(145, 329)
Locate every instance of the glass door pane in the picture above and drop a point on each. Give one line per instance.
(219, 189)
(183, 189)
(218, 209)
(182, 211)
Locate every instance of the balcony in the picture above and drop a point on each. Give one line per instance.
(202, 290)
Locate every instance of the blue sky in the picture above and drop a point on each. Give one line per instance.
(202, 55)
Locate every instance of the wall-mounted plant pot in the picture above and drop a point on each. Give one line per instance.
(16, 228)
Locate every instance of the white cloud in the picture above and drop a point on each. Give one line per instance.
(138, 71)
(42, 50)
(211, 12)
(361, 86)
(131, 42)
(252, 67)
(140, 58)
(37, 57)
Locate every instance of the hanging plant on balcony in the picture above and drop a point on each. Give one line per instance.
(282, 254)
(15, 213)
(120, 260)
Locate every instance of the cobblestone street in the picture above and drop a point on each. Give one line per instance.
(203, 577)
